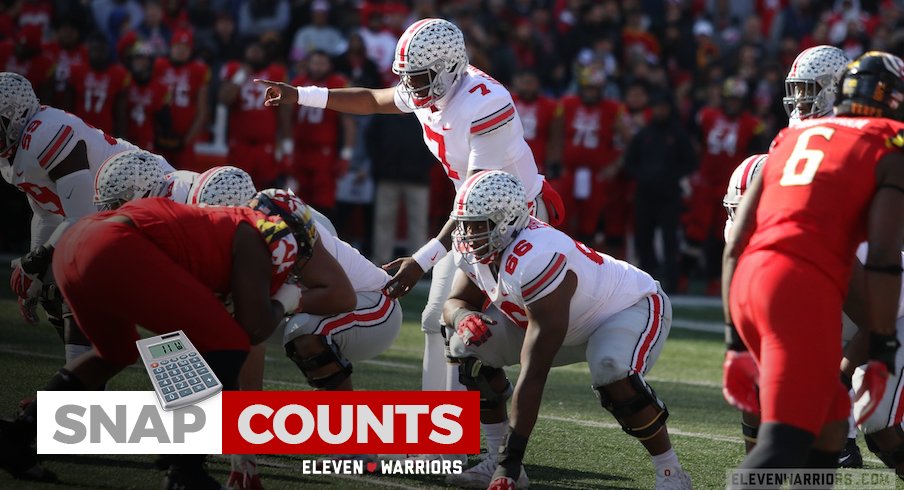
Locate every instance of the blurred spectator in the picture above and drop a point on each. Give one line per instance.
(259, 16)
(319, 35)
(401, 170)
(146, 99)
(99, 88)
(36, 13)
(355, 191)
(187, 82)
(316, 134)
(380, 44)
(355, 66)
(536, 112)
(253, 128)
(729, 134)
(587, 126)
(226, 44)
(111, 15)
(23, 55)
(657, 158)
(67, 51)
(152, 30)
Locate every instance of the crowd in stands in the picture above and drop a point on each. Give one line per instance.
(637, 110)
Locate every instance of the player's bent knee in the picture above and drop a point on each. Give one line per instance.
(608, 370)
(626, 408)
(887, 444)
(477, 377)
(320, 360)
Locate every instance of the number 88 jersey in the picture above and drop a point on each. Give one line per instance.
(535, 264)
(477, 127)
(818, 183)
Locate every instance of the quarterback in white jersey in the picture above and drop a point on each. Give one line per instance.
(470, 124)
(554, 301)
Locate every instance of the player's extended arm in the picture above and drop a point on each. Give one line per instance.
(348, 100)
(743, 228)
(546, 328)
(463, 311)
(329, 290)
(255, 311)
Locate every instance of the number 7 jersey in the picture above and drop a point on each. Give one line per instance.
(477, 127)
(817, 187)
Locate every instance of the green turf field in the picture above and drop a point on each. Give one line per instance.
(575, 445)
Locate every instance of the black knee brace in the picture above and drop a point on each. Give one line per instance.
(645, 397)
(749, 432)
(330, 354)
(475, 376)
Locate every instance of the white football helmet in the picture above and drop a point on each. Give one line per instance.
(810, 84)
(496, 200)
(125, 176)
(222, 186)
(433, 51)
(18, 104)
(740, 181)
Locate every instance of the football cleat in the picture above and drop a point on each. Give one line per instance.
(672, 479)
(481, 476)
(502, 483)
(244, 475)
(850, 456)
(17, 456)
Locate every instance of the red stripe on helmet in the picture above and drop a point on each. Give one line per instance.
(408, 34)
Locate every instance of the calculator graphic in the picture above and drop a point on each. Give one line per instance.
(178, 372)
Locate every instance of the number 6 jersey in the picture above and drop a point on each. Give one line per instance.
(535, 264)
(817, 187)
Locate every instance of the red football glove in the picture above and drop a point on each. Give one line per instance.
(20, 281)
(502, 483)
(474, 328)
(875, 379)
(740, 379)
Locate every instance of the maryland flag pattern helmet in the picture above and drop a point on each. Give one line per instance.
(293, 211)
(872, 86)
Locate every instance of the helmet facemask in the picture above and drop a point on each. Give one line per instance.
(427, 85)
(478, 240)
(6, 145)
(808, 98)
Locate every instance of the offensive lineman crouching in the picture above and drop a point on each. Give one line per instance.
(185, 256)
(554, 302)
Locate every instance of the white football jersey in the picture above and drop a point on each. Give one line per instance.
(861, 256)
(535, 264)
(477, 127)
(48, 139)
(362, 273)
(178, 185)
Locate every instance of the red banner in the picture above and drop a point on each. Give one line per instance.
(351, 422)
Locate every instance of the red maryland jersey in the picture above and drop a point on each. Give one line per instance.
(726, 143)
(144, 102)
(589, 132)
(536, 117)
(96, 91)
(183, 82)
(318, 127)
(38, 69)
(817, 187)
(65, 60)
(200, 238)
(249, 120)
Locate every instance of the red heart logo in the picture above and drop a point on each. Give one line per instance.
(371, 467)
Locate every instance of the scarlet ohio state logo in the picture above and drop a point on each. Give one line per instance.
(352, 422)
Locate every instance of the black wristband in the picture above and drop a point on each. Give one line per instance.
(37, 261)
(892, 270)
(883, 348)
(733, 340)
(511, 454)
